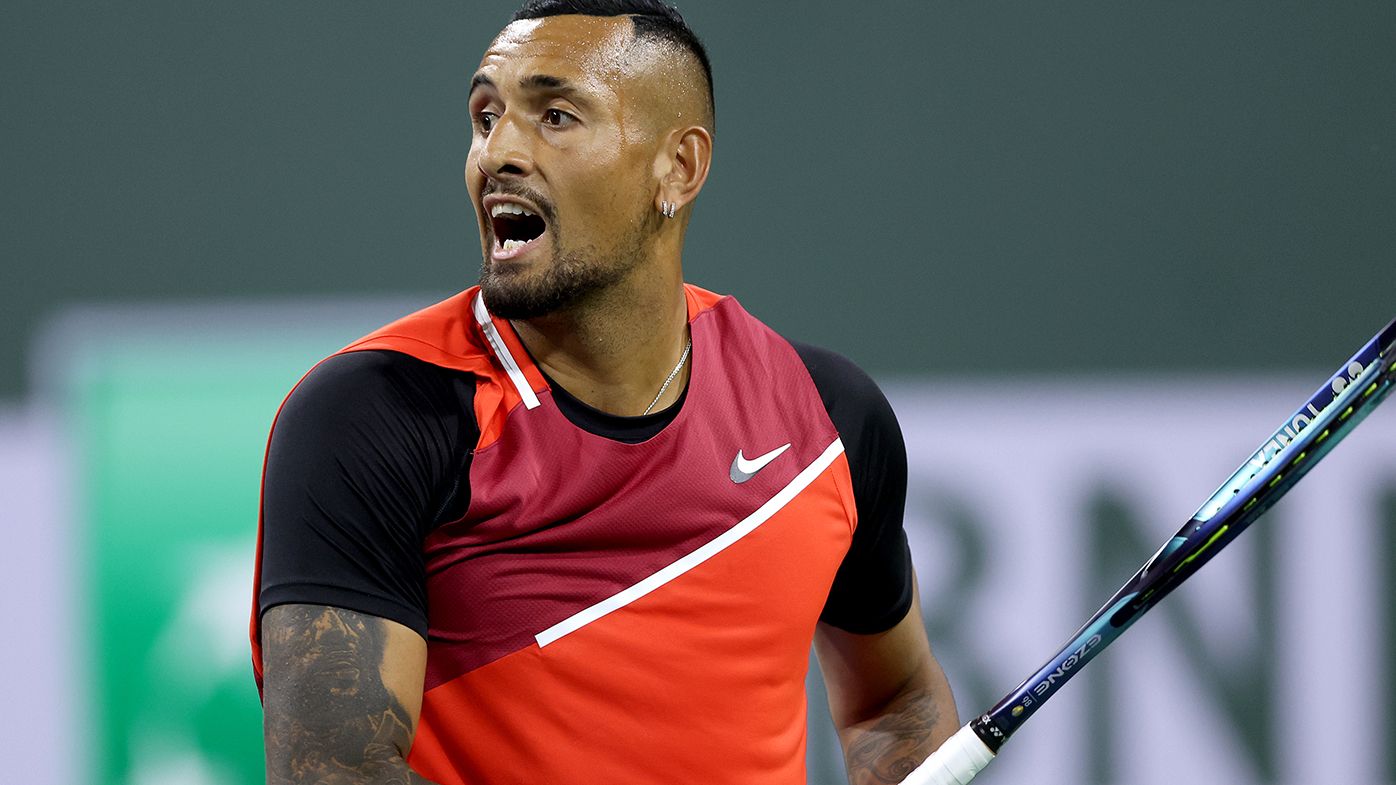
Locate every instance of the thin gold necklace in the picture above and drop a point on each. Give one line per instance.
(683, 358)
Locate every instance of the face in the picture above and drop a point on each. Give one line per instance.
(561, 165)
(334, 655)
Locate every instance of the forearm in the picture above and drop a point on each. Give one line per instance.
(886, 747)
(300, 756)
(888, 697)
(387, 772)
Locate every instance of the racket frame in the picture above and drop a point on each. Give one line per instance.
(1275, 467)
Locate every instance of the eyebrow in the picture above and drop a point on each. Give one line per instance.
(535, 83)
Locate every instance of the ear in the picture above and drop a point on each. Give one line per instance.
(682, 166)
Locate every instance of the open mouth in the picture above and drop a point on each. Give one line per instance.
(515, 228)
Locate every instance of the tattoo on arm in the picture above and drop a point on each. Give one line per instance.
(329, 718)
(887, 749)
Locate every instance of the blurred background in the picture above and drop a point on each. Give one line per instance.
(1094, 252)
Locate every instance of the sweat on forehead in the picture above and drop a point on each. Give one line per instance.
(606, 52)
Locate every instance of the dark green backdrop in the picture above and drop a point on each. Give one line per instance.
(926, 186)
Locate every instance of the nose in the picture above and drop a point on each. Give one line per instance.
(338, 625)
(505, 152)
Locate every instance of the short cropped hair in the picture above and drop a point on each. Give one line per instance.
(653, 20)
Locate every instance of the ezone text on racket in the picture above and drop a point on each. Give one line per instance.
(1045, 685)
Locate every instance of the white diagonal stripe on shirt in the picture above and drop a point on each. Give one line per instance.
(690, 560)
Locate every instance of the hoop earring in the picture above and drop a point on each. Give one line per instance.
(667, 209)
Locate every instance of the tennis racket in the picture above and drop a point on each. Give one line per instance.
(1274, 468)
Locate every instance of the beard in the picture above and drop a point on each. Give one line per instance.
(570, 279)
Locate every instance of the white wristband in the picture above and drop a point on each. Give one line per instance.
(954, 763)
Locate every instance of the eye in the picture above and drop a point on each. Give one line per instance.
(486, 121)
(558, 118)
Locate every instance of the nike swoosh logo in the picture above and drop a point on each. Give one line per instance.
(744, 469)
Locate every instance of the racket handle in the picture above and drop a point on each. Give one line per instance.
(953, 763)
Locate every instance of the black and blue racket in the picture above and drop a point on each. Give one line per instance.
(1350, 395)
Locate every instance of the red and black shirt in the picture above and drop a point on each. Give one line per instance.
(617, 599)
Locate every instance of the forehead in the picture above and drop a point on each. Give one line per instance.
(586, 49)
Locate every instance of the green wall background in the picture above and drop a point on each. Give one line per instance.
(925, 186)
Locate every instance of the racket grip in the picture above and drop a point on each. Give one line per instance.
(953, 763)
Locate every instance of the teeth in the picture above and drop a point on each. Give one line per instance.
(508, 207)
(510, 245)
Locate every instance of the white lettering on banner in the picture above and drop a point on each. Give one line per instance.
(1200, 670)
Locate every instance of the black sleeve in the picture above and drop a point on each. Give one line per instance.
(368, 453)
(873, 588)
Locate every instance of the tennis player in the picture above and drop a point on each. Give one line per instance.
(583, 522)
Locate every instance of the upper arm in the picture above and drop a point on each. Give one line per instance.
(873, 588)
(342, 695)
(871, 641)
(367, 454)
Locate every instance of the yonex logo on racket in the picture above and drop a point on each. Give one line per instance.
(1354, 370)
(1280, 440)
(1270, 449)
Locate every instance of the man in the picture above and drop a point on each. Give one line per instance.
(583, 522)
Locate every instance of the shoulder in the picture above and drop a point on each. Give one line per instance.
(359, 376)
(838, 379)
(842, 385)
(372, 387)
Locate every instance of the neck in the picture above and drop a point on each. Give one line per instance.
(615, 351)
